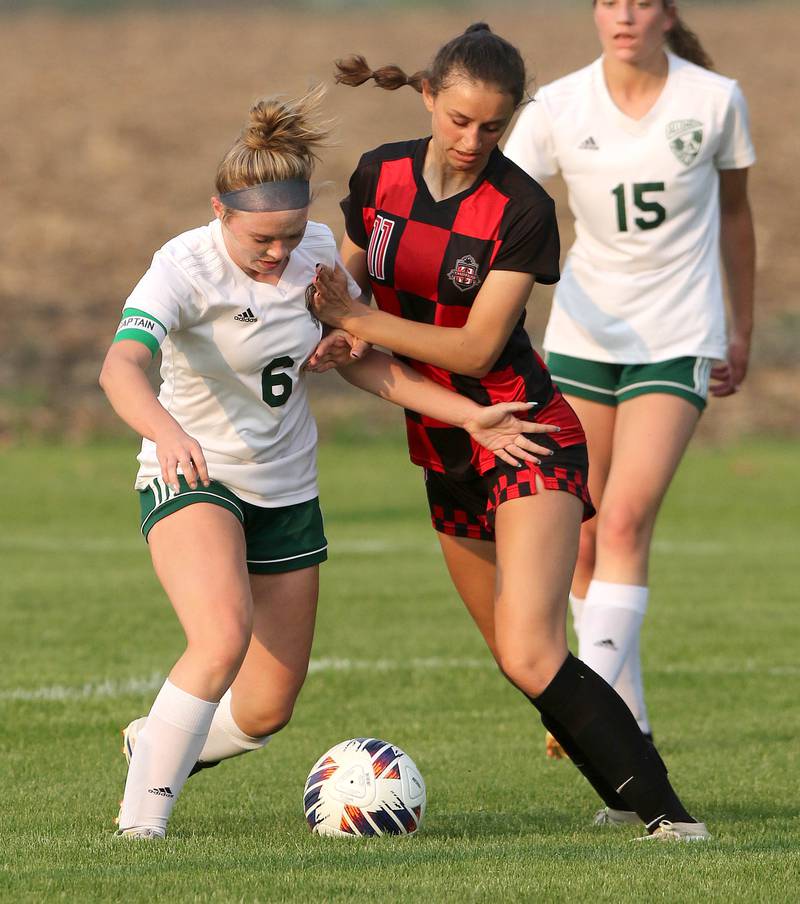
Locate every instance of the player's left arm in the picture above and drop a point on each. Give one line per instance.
(738, 249)
(470, 349)
(495, 427)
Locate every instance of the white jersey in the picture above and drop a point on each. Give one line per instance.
(232, 353)
(642, 281)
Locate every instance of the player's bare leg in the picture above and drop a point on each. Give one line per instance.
(199, 557)
(537, 541)
(261, 699)
(275, 667)
(650, 438)
(598, 423)
(471, 564)
(537, 544)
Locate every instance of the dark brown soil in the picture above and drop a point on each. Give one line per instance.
(112, 127)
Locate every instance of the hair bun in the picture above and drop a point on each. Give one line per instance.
(477, 26)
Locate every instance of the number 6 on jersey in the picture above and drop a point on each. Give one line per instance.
(276, 388)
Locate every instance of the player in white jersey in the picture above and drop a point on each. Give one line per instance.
(227, 478)
(654, 149)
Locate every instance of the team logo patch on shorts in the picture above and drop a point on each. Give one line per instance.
(464, 275)
(685, 137)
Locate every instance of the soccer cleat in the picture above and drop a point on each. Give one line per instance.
(608, 816)
(131, 732)
(147, 833)
(553, 750)
(677, 831)
(129, 735)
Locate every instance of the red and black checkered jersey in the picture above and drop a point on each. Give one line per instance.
(427, 260)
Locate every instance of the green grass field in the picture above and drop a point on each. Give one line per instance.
(86, 637)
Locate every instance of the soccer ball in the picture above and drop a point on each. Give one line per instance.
(364, 787)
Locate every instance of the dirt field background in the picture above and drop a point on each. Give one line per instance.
(112, 127)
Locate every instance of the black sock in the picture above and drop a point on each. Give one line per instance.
(608, 795)
(608, 739)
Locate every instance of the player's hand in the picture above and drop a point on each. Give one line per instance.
(173, 448)
(337, 349)
(730, 375)
(497, 429)
(331, 302)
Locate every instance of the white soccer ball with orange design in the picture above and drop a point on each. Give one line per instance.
(364, 787)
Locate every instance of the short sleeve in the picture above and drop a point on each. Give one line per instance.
(353, 208)
(530, 144)
(735, 147)
(531, 243)
(157, 304)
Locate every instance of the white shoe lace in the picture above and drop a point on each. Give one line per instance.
(665, 830)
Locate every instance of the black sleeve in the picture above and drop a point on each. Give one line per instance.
(529, 243)
(353, 208)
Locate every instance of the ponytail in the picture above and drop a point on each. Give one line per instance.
(478, 55)
(354, 70)
(683, 42)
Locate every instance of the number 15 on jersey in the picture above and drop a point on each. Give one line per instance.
(655, 212)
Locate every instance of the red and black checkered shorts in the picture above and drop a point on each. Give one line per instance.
(467, 508)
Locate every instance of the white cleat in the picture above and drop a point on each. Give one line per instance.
(608, 816)
(677, 831)
(129, 736)
(146, 833)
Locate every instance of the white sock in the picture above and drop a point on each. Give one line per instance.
(610, 623)
(629, 686)
(576, 604)
(225, 738)
(166, 749)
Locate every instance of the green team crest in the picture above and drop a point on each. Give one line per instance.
(685, 137)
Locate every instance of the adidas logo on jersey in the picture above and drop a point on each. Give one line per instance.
(589, 144)
(246, 316)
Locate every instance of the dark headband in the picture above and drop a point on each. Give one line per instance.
(290, 194)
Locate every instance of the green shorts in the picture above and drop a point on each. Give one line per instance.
(610, 384)
(278, 539)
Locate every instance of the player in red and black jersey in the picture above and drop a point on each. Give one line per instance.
(450, 237)
(427, 261)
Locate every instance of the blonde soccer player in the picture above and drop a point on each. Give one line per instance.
(227, 475)
(654, 148)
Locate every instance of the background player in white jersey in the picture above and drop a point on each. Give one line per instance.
(654, 149)
(227, 476)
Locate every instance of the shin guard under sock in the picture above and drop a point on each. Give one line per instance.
(610, 742)
(606, 793)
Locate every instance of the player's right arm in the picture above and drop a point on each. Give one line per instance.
(127, 387)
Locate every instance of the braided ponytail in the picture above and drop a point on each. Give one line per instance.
(354, 70)
(478, 55)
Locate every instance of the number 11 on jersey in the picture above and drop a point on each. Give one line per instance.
(640, 189)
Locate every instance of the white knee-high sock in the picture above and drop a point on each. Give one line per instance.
(225, 738)
(576, 604)
(629, 686)
(166, 749)
(610, 623)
